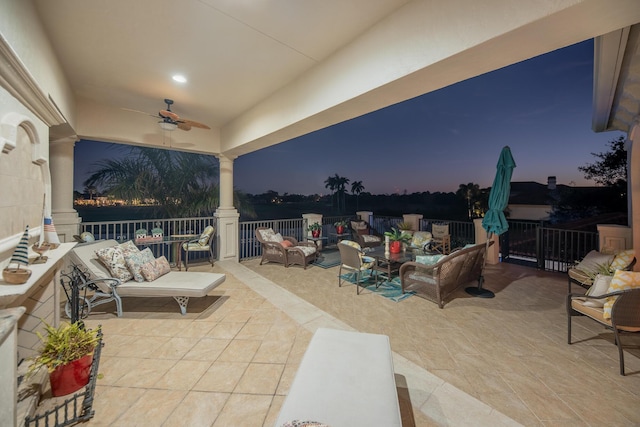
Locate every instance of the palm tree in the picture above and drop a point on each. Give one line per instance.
(471, 193)
(357, 188)
(339, 183)
(331, 184)
(182, 184)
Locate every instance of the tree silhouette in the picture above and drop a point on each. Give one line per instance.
(357, 188)
(611, 169)
(471, 193)
(182, 184)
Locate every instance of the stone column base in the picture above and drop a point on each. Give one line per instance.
(67, 224)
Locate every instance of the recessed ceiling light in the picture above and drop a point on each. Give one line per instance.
(180, 78)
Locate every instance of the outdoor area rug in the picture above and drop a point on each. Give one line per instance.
(328, 258)
(391, 290)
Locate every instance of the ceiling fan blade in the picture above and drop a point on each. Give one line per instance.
(194, 124)
(169, 114)
(138, 111)
(183, 126)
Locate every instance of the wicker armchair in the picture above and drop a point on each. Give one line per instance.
(364, 235)
(625, 315)
(275, 250)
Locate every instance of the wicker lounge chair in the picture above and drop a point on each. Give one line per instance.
(625, 315)
(364, 235)
(275, 250)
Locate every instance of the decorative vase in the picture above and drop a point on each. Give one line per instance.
(71, 377)
(315, 233)
(340, 229)
(395, 247)
(16, 276)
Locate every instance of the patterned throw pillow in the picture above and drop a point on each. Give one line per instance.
(113, 259)
(621, 280)
(135, 261)
(156, 268)
(622, 259)
(203, 240)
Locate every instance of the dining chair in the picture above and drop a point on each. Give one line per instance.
(441, 239)
(204, 243)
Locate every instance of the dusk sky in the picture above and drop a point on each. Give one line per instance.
(541, 108)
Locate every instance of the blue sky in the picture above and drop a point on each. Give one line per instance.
(541, 108)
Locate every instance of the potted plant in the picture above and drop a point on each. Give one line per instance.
(67, 354)
(315, 229)
(340, 226)
(396, 239)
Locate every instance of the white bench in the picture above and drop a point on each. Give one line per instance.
(181, 285)
(345, 379)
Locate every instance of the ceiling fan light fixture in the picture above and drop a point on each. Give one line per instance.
(168, 126)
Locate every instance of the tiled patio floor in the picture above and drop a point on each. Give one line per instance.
(230, 361)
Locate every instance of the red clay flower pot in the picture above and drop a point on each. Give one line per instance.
(395, 247)
(315, 233)
(71, 377)
(340, 229)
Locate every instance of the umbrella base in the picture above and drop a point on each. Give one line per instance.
(479, 292)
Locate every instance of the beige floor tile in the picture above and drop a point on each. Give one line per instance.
(111, 402)
(141, 372)
(260, 378)
(198, 409)
(244, 410)
(207, 349)
(274, 411)
(254, 331)
(221, 377)
(286, 378)
(175, 348)
(226, 330)
(273, 352)
(240, 351)
(151, 409)
(183, 375)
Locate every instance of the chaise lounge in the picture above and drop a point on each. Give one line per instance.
(179, 285)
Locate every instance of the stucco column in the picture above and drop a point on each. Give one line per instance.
(227, 217)
(65, 217)
(493, 253)
(633, 183)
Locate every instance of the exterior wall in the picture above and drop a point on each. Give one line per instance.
(529, 212)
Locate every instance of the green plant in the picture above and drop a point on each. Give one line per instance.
(603, 269)
(407, 226)
(341, 223)
(64, 344)
(314, 226)
(396, 235)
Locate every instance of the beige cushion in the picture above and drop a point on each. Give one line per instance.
(593, 262)
(600, 287)
(136, 260)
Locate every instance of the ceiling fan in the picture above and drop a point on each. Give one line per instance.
(170, 120)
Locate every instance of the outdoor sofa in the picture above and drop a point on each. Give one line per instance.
(181, 285)
(437, 281)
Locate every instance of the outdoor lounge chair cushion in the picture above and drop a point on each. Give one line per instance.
(621, 280)
(204, 238)
(420, 238)
(428, 259)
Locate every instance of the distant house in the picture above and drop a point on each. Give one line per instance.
(531, 200)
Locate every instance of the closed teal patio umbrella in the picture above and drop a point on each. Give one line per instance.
(494, 220)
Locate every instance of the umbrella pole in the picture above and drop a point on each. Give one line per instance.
(479, 292)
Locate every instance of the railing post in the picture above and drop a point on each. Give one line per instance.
(540, 247)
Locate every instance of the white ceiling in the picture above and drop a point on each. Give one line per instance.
(234, 53)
